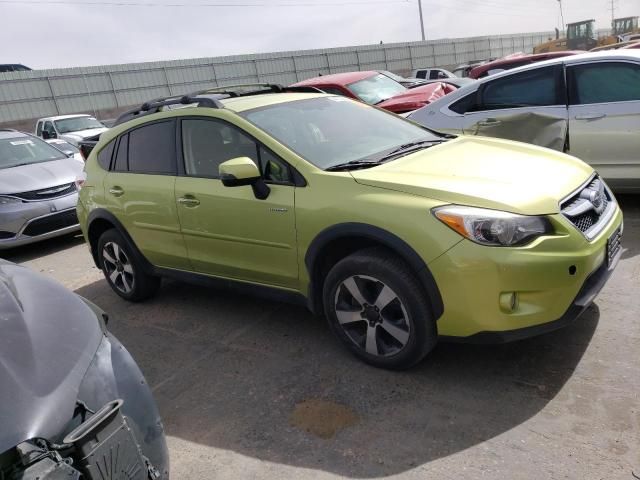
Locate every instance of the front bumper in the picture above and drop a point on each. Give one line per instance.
(30, 222)
(554, 280)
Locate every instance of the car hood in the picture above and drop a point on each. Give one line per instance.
(416, 97)
(484, 172)
(37, 176)
(48, 338)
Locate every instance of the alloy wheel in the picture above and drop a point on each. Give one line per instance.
(117, 267)
(372, 315)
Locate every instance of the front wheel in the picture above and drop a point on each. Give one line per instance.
(377, 307)
(123, 269)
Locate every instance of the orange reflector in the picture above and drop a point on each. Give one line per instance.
(456, 222)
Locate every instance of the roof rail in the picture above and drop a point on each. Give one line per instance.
(209, 98)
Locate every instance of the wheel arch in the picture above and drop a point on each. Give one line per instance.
(336, 242)
(100, 221)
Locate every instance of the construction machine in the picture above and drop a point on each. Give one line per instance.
(580, 36)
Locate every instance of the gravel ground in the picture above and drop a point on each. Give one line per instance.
(256, 389)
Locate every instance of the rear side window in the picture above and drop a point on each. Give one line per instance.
(604, 83)
(421, 74)
(104, 157)
(538, 87)
(465, 104)
(39, 129)
(120, 163)
(152, 149)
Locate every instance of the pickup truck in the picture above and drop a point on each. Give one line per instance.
(71, 128)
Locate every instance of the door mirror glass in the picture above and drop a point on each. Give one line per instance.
(46, 135)
(243, 171)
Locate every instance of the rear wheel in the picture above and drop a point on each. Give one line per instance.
(123, 269)
(377, 307)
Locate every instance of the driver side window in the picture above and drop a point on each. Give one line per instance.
(208, 143)
(48, 127)
(537, 87)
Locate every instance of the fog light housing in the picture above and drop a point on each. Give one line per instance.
(508, 301)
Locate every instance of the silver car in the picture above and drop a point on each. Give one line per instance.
(587, 105)
(38, 192)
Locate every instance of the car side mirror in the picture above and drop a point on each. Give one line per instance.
(45, 135)
(243, 171)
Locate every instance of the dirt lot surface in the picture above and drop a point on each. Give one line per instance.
(255, 389)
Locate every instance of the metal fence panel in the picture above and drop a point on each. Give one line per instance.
(33, 94)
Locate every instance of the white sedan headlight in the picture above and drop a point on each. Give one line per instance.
(9, 200)
(493, 227)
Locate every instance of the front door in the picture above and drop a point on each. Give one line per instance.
(139, 191)
(528, 107)
(604, 119)
(229, 232)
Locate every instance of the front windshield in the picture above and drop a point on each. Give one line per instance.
(376, 89)
(329, 131)
(76, 124)
(25, 150)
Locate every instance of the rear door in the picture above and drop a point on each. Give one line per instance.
(139, 191)
(527, 106)
(604, 119)
(228, 231)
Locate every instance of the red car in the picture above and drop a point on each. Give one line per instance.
(632, 46)
(513, 61)
(377, 89)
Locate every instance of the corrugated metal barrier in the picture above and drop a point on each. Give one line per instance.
(39, 93)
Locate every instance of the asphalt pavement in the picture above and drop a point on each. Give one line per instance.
(255, 389)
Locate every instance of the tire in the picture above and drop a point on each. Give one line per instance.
(123, 269)
(378, 309)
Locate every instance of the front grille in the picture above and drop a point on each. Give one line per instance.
(586, 208)
(47, 193)
(51, 223)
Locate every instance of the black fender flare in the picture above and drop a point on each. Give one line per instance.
(383, 237)
(102, 214)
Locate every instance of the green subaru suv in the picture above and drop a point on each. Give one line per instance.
(398, 235)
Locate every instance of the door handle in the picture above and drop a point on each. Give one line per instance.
(116, 191)
(489, 122)
(591, 116)
(189, 201)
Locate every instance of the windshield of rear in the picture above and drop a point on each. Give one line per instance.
(329, 131)
(76, 124)
(24, 151)
(376, 89)
(66, 147)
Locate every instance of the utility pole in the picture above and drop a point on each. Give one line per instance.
(613, 13)
(421, 20)
(561, 17)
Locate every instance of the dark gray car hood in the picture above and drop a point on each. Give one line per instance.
(48, 337)
(39, 175)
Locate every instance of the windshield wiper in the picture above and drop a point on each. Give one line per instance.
(352, 165)
(406, 149)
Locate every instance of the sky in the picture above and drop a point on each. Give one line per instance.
(68, 33)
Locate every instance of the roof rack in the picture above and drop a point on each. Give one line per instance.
(209, 98)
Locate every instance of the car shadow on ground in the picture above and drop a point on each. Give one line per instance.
(630, 205)
(268, 381)
(51, 246)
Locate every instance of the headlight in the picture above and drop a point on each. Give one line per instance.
(9, 200)
(493, 227)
